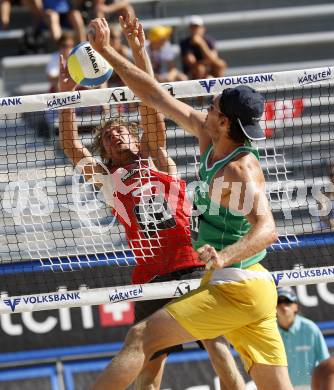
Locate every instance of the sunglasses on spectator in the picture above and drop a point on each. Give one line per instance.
(284, 300)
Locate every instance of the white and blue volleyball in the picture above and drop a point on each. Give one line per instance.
(87, 67)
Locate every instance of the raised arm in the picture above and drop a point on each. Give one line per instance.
(153, 141)
(68, 130)
(144, 86)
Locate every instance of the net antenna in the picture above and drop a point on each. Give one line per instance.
(62, 246)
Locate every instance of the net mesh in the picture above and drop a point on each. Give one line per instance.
(53, 222)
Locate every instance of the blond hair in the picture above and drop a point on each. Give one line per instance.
(97, 145)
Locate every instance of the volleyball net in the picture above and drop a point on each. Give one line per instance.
(61, 243)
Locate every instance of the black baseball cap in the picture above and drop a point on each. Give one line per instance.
(245, 105)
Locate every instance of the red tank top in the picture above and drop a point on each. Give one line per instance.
(155, 212)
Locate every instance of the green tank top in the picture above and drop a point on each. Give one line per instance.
(217, 225)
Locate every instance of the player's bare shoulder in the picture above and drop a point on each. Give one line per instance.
(245, 168)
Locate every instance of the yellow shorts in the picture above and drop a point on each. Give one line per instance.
(241, 306)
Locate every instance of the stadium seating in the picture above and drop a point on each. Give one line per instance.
(270, 33)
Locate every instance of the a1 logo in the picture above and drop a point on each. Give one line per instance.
(182, 288)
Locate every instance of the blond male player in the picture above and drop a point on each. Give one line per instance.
(238, 297)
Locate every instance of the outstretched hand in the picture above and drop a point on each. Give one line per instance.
(99, 34)
(65, 83)
(133, 31)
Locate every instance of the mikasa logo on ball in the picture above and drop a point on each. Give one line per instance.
(92, 58)
(87, 67)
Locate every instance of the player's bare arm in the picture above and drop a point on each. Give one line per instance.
(244, 181)
(153, 140)
(68, 130)
(144, 86)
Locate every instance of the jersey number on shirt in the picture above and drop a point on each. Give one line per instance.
(152, 212)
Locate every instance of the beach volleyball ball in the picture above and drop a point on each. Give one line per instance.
(87, 67)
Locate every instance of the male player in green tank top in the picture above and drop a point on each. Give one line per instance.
(237, 297)
(223, 227)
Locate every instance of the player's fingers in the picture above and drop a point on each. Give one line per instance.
(200, 249)
(128, 20)
(205, 255)
(94, 26)
(99, 25)
(136, 26)
(105, 23)
(125, 28)
(203, 248)
(141, 35)
(140, 28)
(130, 32)
(94, 22)
(61, 63)
(122, 22)
(63, 69)
(213, 252)
(209, 265)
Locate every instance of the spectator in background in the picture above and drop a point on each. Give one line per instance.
(162, 55)
(5, 11)
(113, 8)
(65, 45)
(58, 14)
(199, 56)
(323, 375)
(304, 343)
